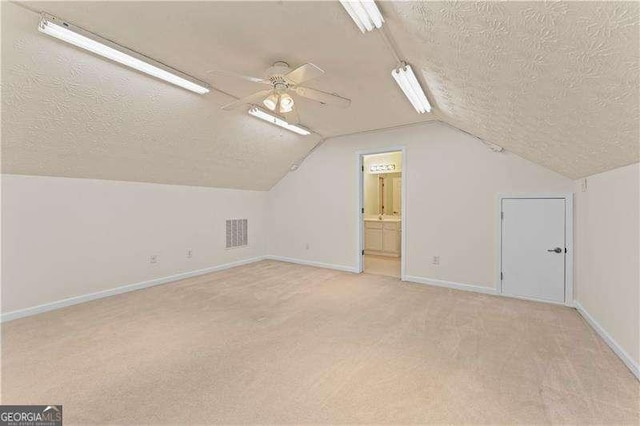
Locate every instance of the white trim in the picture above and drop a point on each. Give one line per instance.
(343, 268)
(34, 310)
(568, 272)
(450, 284)
(568, 229)
(615, 347)
(533, 299)
(360, 205)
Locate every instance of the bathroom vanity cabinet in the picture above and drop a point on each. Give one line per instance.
(382, 236)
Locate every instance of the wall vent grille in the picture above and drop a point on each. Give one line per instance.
(237, 235)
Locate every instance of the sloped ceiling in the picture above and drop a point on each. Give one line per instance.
(556, 83)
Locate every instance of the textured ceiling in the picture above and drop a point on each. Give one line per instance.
(69, 113)
(556, 83)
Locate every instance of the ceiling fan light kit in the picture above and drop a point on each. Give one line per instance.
(286, 103)
(365, 14)
(282, 103)
(409, 84)
(273, 119)
(284, 83)
(86, 40)
(271, 101)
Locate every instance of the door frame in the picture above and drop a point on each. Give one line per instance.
(568, 237)
(360, 206)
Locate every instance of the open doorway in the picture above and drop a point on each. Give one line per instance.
(382, 213)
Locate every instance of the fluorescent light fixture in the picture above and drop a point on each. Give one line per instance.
(59, 29)
(409, 84)
(264, 115)
(364, 13)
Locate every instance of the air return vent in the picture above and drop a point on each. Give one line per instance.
(237, 233)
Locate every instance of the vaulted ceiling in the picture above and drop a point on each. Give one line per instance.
(556, 83)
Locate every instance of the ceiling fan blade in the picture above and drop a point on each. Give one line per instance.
(241, 76)
(292, 117)
(304, 73)
(323, 97)
(251, 99)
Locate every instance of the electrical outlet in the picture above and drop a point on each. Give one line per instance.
(189, 254)
(436, 260)
(153, 259)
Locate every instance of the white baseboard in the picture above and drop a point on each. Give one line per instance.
(533, 299)
(615, 347)
(451, 284)
(312, 263)
(34, 310)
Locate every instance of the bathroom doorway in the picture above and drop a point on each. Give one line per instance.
(381, 213)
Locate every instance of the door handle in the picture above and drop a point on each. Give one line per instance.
(555, 250)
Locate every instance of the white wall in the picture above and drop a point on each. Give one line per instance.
(451, 181)
(66, 237)
(608, 254)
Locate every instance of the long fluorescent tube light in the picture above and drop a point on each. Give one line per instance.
(263, 115)
(364, 13)
(65, 31)
(409, 84)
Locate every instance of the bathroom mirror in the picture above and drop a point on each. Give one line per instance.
(388, 196)
(383, 194)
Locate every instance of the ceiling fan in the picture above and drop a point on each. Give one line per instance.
(284, 83)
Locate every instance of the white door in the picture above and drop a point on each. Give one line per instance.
(533, 248)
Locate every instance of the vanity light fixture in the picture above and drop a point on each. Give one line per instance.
(364, 13)
(79, 37)
(381, 168)
(409, 84)
(264, 115)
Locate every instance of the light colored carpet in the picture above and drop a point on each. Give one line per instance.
(279, 343)
(382, 265)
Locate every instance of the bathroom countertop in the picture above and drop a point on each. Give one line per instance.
(384, 219)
